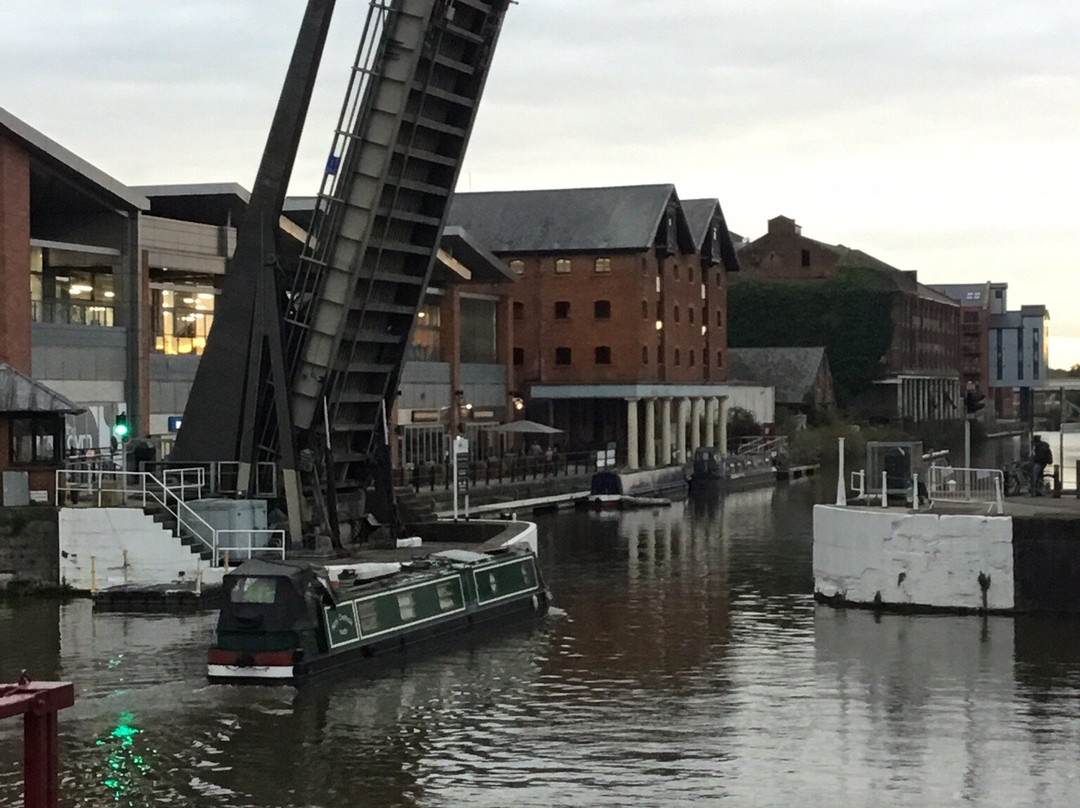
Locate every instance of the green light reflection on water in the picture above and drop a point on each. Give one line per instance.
(126, 768)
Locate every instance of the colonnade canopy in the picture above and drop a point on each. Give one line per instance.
(580, 391)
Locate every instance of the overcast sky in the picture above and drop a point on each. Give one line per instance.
(939, 136)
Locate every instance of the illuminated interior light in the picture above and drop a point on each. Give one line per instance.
(659, 325)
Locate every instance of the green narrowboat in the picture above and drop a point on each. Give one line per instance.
(284, 621)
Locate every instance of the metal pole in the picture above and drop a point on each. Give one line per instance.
(1061, 447)
(841, 487)
(967, 442)
(454, 468)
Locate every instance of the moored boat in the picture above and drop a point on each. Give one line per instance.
(743, 470)
(284, 621)
(631, 489)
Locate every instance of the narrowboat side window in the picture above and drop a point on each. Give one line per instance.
(447, 601)
(254, 590)
(369, 617)
(406, 606)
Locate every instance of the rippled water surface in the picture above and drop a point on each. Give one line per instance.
(687, 665)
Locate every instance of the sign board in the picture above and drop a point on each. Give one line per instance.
(341, 628)
(174, 422)
(460, 449)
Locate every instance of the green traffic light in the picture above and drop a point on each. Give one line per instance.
(121, 430)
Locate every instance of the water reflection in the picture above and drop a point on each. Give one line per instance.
(690, 666)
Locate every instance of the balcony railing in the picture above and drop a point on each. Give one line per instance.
(73, 312)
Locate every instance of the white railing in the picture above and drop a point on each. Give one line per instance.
(222, 477)
(99, 485)
(858, 484)
(171, 493)
(968, 486)
(242, 544)
(760, 445)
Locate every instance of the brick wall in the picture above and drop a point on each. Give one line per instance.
(554, 310)
(29, 542)
(14, 256)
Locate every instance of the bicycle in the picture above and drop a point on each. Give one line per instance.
(1018, 481)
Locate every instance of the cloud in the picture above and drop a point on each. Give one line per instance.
(938, 135)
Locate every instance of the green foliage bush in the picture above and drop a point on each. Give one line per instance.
(850, 314)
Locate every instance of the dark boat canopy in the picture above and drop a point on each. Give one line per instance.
(278, 600)
(258, 568)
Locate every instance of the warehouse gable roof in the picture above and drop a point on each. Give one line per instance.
(571, 220)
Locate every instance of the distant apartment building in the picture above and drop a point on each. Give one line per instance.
(892, 341)
(1002, 352)
(619, 312)
(1019, 348)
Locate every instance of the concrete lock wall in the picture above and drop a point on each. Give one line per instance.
(1046, 553)
(28, 546)
(102, 547)
(865, 556)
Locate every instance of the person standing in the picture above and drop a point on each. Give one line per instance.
(1041, 457)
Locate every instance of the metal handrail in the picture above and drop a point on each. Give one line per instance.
(170, 497)
(761, 444)
(127, 483)
(858, 483)
(250, 548)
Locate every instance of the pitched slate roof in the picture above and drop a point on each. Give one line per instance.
(575, 219)
(21, 394)
(699, 214)
(792, 371)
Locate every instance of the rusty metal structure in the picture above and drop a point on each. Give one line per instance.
(302, 364)
(38, 703)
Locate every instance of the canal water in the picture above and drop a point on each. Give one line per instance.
(688, 666)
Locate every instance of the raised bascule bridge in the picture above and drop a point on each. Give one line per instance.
(302, 364)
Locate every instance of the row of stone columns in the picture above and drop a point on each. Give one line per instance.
(928, 399)
(691, 415)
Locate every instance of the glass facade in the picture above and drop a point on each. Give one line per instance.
(426, 339)
(72, 288)
(182, 316)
